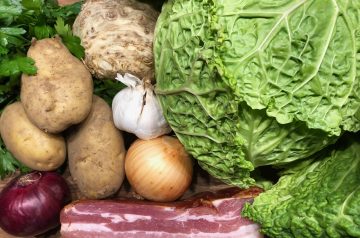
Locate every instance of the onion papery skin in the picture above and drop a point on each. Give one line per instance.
(31, 203)
(159, 169)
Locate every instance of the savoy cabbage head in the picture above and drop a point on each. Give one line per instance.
(251, 83)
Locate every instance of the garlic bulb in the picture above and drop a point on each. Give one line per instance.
(136, 109)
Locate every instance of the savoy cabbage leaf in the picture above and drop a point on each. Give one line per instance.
(296, 59)
(316, 198)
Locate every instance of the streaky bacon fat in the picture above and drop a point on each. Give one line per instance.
(205, 215)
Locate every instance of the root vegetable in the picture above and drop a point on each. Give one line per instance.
(159, 169)
(31, 146)
(31, 203)
(96, 153)
(117, 36)
(60, 94)
(66, 2)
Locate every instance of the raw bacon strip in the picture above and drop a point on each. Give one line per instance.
(206, 215)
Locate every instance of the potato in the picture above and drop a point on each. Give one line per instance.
(31, 146)
(96, 153)
(66, 2)
(60, 94)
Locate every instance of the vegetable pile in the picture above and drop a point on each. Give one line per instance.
(53, 120)
(258, 93)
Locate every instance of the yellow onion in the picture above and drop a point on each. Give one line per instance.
(159, 169)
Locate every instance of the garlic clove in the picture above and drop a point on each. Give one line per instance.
(127, 106)
(151, 123)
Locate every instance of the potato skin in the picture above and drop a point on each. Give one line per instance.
(96, 153)
(60, 94)
(66, 2)
(31, 146)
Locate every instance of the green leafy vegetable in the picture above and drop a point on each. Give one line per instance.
(250, 83)
(9, 10)
(318, 198)
(16, 66)
(72, 42)
(8, 164)
(20, 22)
(107, 89)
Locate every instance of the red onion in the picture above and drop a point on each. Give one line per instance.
(31, 203)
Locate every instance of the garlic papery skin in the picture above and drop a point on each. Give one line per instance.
(136, 109)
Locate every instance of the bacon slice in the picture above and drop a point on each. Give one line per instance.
(209, 214)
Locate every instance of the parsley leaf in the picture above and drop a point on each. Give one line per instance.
(12, 31)
(35, 5)
(73, 43)
(107, 88)
(9, 10)
(43, 31)
(17, 65)
(8, 164)
(68, 12)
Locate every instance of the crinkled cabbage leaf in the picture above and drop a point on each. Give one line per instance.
(251, 83)
(318, 198)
